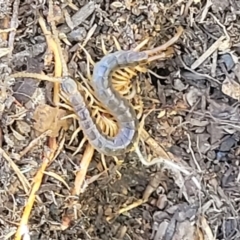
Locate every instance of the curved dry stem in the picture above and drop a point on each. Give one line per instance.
(66, 106)
(166, 163)
(103, 161)
(105, 52)
(74, 135)
(84, 140)
(69, 116)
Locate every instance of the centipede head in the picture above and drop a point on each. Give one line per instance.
(140, 57)
(69, 86)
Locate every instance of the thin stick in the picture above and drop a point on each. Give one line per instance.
(56, 39)
(37, 183)
(208, 53)
(13, 25)
(57, 58)
(33, 143)
(26, 185)
(81, 174)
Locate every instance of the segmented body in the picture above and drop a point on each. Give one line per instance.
(112, 100)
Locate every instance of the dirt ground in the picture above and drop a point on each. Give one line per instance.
(190, 100)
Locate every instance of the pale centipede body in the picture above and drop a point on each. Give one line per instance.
(112, 100)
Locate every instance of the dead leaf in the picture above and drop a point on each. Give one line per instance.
(50, 118)
(206, 229)
(231, 88)
(59, 178)
(116, 4)
(193, 95)
(4, 51)
(226, 44)
(161, 114)
(17, 135)
(68, 19)
(185, 230)
(23, 127)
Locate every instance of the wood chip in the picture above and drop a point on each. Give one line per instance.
(79, 17)
(4, 51)
(231, 88)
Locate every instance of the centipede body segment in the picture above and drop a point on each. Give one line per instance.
(119, 107)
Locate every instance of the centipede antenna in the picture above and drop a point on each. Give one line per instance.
(34, 75)
(157, 57)
(55, 36)
(166, 45)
